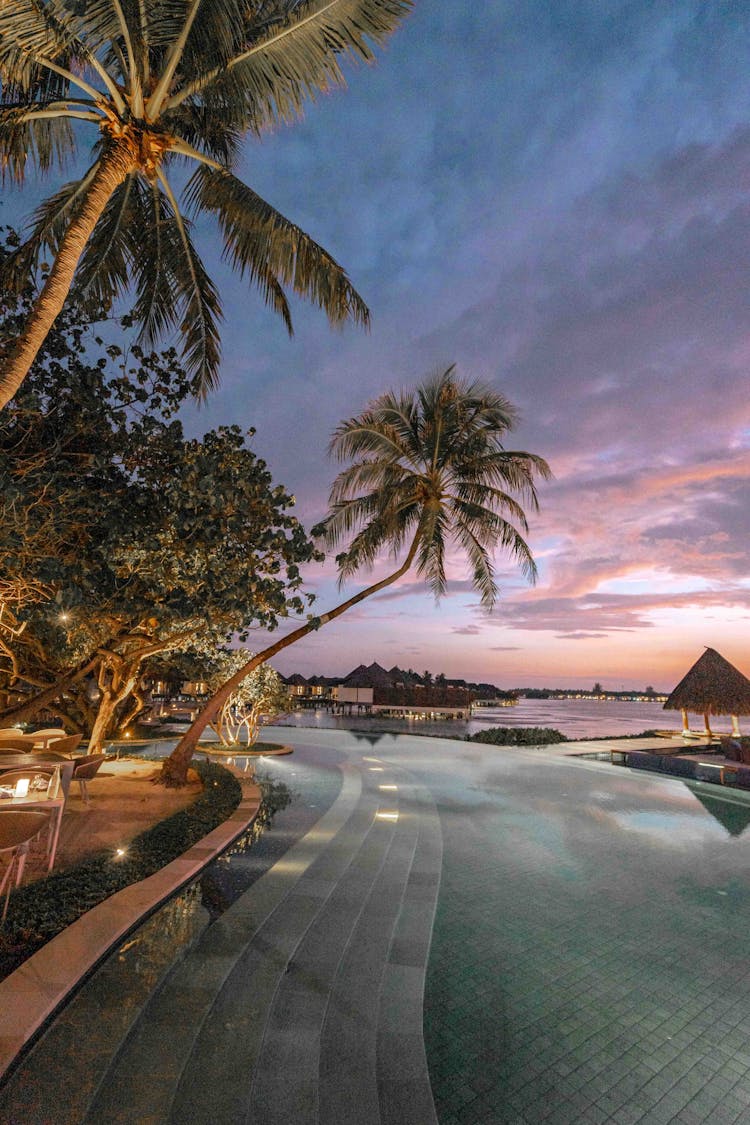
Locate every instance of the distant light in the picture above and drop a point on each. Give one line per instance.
(388, 787)
(376, 769)
(120, 853)
(65, 617)
(386, 816)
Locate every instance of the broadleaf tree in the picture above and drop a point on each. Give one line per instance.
(141, 541)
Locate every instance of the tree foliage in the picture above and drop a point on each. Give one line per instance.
(134, 539)
(260, 697)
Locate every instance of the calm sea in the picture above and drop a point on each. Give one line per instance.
(575, 718)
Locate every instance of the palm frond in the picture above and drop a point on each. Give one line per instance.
(49, 223)
(375, 476)
(201, 308)
(483, 574)
(364, 436)
(487, 502)
(104, 270)
(261, 242)
(39, 140)
(291, 55)
(431, 555)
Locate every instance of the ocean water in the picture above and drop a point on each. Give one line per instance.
(575, 718)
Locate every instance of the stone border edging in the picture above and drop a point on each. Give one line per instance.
(278, 750)
(30, 994)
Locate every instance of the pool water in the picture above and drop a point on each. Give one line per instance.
(590, 957)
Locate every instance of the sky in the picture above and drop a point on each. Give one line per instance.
(554, 196)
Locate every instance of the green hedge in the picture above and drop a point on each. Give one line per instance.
(42, 909)
(518, 736)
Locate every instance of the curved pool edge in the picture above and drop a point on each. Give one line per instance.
(31, 994)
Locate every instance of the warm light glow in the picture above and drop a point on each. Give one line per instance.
(120, 853)
(386, 815)
(22, 787)
(388, 787)
(376, 769)
(371, 759)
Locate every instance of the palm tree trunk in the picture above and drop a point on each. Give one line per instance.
(174, 770)
(114, 166)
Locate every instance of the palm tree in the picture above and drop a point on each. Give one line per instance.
(167, 83)
(427, 468)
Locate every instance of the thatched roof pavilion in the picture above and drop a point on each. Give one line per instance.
(713, 686)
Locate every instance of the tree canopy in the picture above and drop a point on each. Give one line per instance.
(123, 538)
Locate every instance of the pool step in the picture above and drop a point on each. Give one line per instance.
(303, 1001)
(140, 1082)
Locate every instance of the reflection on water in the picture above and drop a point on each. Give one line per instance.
(731, 811)
(576, 718)
(225, 879)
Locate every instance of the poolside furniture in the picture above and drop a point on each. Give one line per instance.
(37, 787)
(66, 745)
(17, 830)
(42, 738)
(84, 769)
(18, 743)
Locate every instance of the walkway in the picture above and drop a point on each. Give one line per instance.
(589, 958)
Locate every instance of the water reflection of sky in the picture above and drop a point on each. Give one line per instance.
(669, 828)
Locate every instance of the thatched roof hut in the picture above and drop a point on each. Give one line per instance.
(713, 686)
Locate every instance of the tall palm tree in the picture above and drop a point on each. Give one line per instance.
(167, 83)
(427, 468)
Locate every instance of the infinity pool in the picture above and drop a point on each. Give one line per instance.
(589, 958)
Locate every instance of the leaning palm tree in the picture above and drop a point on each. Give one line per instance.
(165, 84)
(427, 468)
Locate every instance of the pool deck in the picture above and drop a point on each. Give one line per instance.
(304, 1002)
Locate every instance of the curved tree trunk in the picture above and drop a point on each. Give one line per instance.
(174, 770)
(47, 696)
(114, 166)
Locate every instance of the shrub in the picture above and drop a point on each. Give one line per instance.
(43, 909)
(518, 736)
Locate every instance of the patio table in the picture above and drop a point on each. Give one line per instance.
(52, 801)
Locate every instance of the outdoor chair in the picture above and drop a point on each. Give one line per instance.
(44, 737)
(84, 769)
(45, 789)
(65, 745)
(17, 830)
